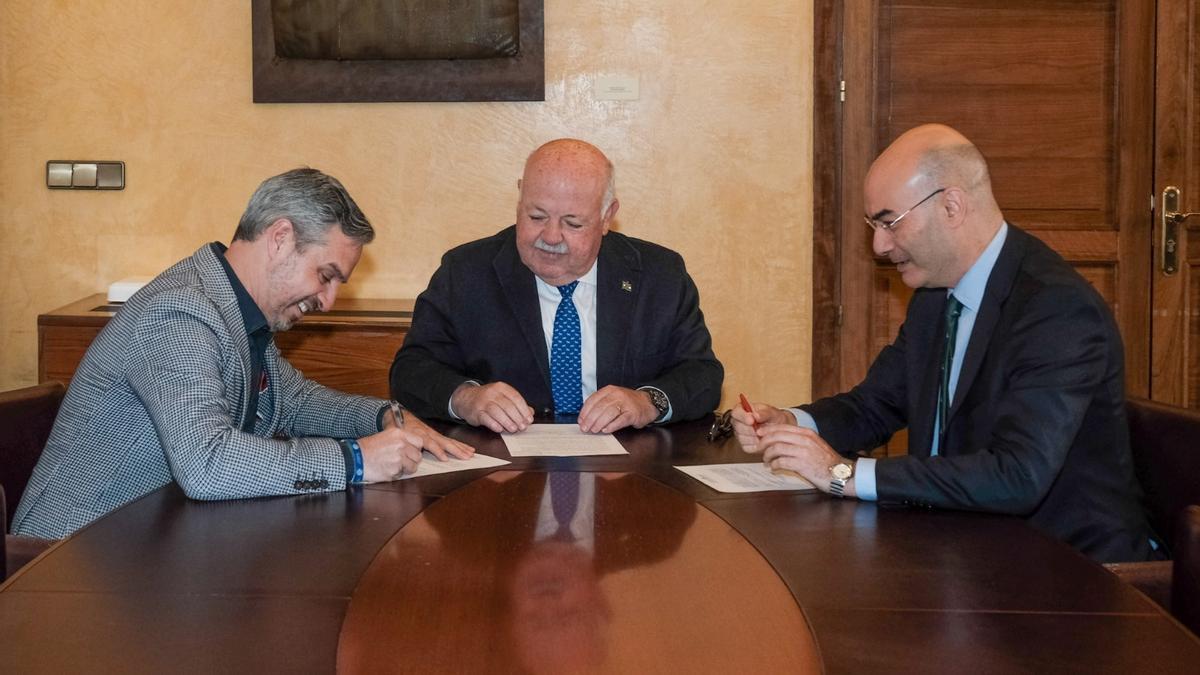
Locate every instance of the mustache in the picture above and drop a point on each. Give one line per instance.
(560, 247)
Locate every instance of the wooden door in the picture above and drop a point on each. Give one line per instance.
(1057, 94)
(1175, 281)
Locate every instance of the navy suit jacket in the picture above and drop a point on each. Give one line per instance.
(480, 319)
(1037, 426)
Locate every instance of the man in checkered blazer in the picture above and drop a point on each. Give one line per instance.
(186, 384)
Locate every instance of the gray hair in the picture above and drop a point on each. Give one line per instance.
(610, 189)
(312, 201)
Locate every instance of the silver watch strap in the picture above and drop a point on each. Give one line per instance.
(837, 487)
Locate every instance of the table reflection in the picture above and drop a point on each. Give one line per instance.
(569, 572)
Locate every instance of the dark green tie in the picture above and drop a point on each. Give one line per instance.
(953, 309)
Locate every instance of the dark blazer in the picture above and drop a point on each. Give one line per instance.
(479, 319)
(1037, 426)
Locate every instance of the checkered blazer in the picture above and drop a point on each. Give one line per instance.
(161, 395)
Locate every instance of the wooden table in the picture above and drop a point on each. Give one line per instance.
(349, 348)
(441, 574)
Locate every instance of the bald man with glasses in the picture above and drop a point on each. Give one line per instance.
(1007, 372)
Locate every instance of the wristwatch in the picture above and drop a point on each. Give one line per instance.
(840, 474)
(660, 401)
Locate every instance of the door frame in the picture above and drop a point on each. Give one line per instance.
(827, 198)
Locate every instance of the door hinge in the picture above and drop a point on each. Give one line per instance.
(839, 315)
(842, 91)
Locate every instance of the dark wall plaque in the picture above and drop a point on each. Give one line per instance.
(398, 50)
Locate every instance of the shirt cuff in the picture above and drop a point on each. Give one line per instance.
(803, 419)
(864, 479)
(450, 403)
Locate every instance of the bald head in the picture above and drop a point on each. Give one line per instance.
(580, 162)
(934, 155)
(933, 185)
(565, 208)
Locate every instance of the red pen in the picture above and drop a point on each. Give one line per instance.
(746, 406)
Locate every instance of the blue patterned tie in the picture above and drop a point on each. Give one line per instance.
(564, 500)
(566, 380)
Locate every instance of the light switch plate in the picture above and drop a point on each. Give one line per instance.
(85, 175)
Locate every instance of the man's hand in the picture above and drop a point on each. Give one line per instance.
(744, 423)
(496, 406)
(441, 446)
(389, 453)
(802, 451)
(613, 408)
(396, 451)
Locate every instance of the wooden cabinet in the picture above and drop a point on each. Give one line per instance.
(350, 348)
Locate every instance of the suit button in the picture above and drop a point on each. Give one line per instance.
(299, 485)
(323, 484)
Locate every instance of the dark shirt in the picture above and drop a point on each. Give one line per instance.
(258, 332)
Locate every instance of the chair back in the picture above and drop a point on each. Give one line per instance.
(26, 417)
(3, 540)
(1165, 441)
(1185, 578)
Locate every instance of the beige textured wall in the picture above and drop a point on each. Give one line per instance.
(713, 160)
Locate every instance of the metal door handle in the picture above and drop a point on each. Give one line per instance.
(1171, 218)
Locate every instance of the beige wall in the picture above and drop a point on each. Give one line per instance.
(713, 160)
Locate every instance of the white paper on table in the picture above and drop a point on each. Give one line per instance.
(430, 465)
(756, 477)
(560, 440)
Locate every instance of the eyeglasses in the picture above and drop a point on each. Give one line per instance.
(889, 225)
(722, 426)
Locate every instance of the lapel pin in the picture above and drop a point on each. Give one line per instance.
(626, 286)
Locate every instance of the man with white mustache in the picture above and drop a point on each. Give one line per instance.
(559, 316)
(185, 383)
(1008, 372)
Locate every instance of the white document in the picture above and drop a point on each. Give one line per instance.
(430, 465)
(560, 440)
(756, 477)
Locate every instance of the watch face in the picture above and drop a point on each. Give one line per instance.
(841, 471)
(659, 400)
